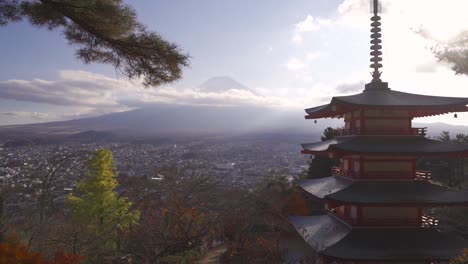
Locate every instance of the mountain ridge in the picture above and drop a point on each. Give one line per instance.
(186, 120)
(173, 120)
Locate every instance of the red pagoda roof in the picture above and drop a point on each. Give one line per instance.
(418, 105)
(404, 145)
(331, 237)
(402, 193)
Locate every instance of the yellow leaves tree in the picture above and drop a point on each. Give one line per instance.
(98, 209)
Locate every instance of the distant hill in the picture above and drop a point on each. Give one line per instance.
(178, 121)
(168, 122)
(175, 121)
(434, 129)
(91, 136)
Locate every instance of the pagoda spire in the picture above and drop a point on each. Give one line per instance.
(376, 41)
(376, 47)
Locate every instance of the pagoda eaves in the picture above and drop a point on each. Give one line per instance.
(416, 105)
(340, 190)
(403, 145)
(335, 239)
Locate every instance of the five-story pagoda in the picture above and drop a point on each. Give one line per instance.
(376, 198)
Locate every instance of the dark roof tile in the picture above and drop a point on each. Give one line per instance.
(324, 186)
(386, 144)
(390, 98)
(321, 231)
(383, 192)
(397, 244)
(332, 238)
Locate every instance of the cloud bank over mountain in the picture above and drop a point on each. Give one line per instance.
(95, 94)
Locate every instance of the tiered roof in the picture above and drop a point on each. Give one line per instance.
(401, 193)
(417, 105)
(330, 237)
(403, 145)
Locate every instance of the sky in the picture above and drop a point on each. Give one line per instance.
(291, 54)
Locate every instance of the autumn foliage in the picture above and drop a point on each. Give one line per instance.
(14, 252)
(180, 217)
(462, 259)
(296, 205)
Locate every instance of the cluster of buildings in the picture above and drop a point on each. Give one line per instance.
(26, 168)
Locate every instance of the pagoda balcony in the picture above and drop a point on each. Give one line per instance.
(420, 131)
(424, 221)
(382, 175)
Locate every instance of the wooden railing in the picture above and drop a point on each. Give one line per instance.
(382, 175)
(419, 131)
(424, 221)
(338, 171)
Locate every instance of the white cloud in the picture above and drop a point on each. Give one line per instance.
(356, 7)
(194, 97)
(302, 67)
(33, 115)
(405, 52)
(73, 88)
(23, 117)
(95, 94)
(297, 39)
(350, 87)
(295, 64)
(49, 116)
(309, 24)
(312, 55)
(443, 19)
